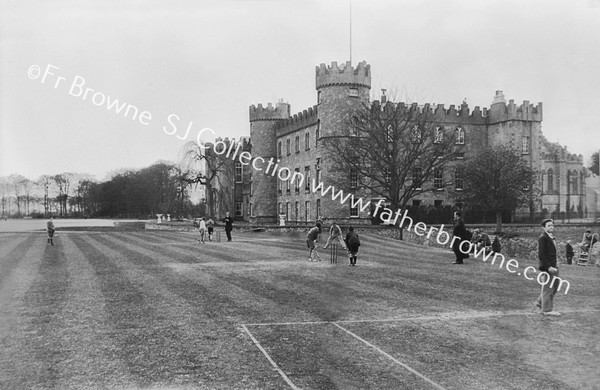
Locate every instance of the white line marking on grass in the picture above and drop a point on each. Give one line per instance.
(285, 377)
(391, 357)
(441, 316)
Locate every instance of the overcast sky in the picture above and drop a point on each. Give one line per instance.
(207, 61)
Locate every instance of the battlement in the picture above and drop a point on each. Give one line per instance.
(440, 113)
(298, 121)
(269, 113)
(501, 112)
(343, 74)
(555, 152)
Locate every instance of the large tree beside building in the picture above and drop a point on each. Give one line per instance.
(394, 151)
(498, 180)
(200, 165)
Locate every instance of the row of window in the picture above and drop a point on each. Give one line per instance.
(574, 185)
(307, 143)
(292, 211)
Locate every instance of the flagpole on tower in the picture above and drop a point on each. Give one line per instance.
(350, 32)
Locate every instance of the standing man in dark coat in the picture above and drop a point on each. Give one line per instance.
(228, 225)
(459, 230)
(549, 267)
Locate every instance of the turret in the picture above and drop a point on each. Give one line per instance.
(263, 124)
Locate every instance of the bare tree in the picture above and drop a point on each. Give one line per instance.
(392, 151)
(202, 166)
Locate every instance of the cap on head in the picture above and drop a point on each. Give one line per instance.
(545, 221)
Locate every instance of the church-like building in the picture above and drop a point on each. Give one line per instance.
(296, 142)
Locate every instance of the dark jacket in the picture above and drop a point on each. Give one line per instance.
(569, 249)
(228, 223)
(546, 252)
(352, 241)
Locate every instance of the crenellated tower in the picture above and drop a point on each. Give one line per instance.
(342, 90)
(263, 124)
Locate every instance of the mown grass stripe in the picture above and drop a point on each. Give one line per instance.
(13, 252)
(45, 301)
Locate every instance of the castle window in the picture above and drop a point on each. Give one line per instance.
(287, 211)
(318, 208)
(279, 186)
(307, 176)
(416, 202)
(417, 135)
(354, 129)
(525, 146)
(387, 177)
(297, 144)
(307, 216)
(288, 187)
(279, 208)
(416, 177)
(438, 203)
(353, 212)
(460, 155)
(439, 135)
(288, 146)
(353, 179)
(238, 209)
(307, 141)
(279, 149)
(389, 133)
(354, 92)
(575, 186)
(297, 181)
(459, 134)
(318, 133)
(296, 210)
(238, 172)
(458, 180)
(550, 180)
(581, 183)
(438, 179)
(319, 98)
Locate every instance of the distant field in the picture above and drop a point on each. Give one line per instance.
(154, 309)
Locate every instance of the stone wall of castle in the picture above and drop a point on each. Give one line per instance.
(342, 90)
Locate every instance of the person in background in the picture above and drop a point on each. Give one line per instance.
(311, 237)
(459, 230)
(228, 225)
(353, 242)
(50, 229)
(549, 268)
(569, 252)
(210, 226)
(202, 230)
(335, 233)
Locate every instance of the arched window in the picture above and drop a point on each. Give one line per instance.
(550, 180)
(575, 184)
(439, 135)
(355, 125)
(582, 183)
(307, 141)
(297, 144)
(279, 147)
(318, 133)
(287, 146)
(459, 133)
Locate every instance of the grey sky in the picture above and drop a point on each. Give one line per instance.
(207, 61)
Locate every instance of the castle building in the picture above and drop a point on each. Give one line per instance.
(296, 142)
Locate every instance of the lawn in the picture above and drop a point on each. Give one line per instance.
(156, 310)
